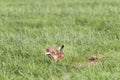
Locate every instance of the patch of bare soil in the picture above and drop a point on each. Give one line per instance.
(94, 59)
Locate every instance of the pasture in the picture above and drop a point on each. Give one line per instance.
(85, 27)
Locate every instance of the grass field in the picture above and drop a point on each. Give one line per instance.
(85, 27)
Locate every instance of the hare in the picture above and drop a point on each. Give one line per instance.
(55, 54)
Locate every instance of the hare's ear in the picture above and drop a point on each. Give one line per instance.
(61, 48)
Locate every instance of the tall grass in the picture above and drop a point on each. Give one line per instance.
(85, 27)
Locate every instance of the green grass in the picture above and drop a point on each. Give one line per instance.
(85, 27)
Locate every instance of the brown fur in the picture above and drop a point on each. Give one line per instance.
(55, 54)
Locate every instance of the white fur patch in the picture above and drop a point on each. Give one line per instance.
(59, 48)
(47, 53)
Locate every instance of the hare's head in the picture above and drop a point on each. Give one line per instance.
(54, 53)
